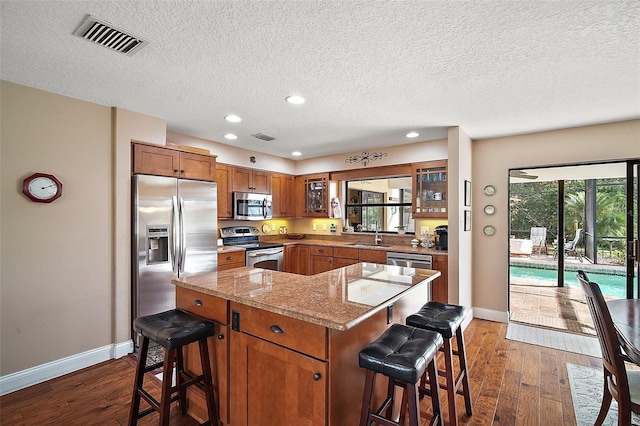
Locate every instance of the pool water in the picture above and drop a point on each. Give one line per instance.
(613, 285)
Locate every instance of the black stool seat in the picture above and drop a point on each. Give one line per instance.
(173, 329)
(404, 355)
(401, 352)
(440, 317)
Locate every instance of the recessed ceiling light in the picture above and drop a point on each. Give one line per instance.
(233, 118)
(412, 135)
(296, 100)
(230, 136)
(296, 153)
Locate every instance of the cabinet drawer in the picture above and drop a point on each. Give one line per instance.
(345, 252)
(373, 256)
(230, 257)
(321, 251)
(210, 307)
(292, 333)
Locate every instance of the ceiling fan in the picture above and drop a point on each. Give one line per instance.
(521, 174)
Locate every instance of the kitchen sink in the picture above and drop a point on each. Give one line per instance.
(357, 243)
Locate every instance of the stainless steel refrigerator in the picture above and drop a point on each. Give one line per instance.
(174, 235)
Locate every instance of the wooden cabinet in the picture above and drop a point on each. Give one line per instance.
(251, 180)
(430, 190)
(320, 259)
(230, 260)
(373, 256)
(283, 189)
(344, 256)
(296, 259)
(279, 376)
(161, 161)
(314, 193)
(214, 309)
(440, 286)
(225, 195)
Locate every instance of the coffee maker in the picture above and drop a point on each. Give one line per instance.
(443, 237)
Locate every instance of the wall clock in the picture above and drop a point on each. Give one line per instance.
(42, 188)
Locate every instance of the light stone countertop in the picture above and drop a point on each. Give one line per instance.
(338, 299)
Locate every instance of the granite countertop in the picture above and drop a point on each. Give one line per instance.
(397, 247)
(337, 299)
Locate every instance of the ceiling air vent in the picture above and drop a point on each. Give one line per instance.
(105, 34)
(263, 137)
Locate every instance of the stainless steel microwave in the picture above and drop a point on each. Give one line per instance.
(251, 206)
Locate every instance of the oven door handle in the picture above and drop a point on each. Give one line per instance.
(266, 252)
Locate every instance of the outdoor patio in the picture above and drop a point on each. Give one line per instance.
(543, 304)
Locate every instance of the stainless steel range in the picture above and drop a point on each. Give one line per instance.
(258, 254)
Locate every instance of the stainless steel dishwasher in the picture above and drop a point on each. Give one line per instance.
(411, 260)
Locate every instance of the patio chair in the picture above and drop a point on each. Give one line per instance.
(619, 383)
(571, 248)
(539, 240)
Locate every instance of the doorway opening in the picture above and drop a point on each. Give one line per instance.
(564, 219)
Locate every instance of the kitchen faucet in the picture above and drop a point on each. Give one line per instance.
(378, 238)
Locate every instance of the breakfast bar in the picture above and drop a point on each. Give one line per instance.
(286, 347)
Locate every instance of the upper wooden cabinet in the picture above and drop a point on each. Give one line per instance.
(225, 195)
(430, 190)
(283, 189)
(251, 180)
(161, 161)
(314, 193)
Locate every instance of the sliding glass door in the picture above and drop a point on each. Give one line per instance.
(633, 230)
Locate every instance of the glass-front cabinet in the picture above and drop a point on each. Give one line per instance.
(316, 195)
(430, 189)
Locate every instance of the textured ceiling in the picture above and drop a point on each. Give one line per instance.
(371, 71)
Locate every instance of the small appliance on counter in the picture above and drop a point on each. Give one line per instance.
(443, 237)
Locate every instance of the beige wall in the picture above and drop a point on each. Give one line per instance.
(492, 159)
(56, 277)
(64, 267)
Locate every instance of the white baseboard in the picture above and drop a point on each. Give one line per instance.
(38, 374)
(491, 315)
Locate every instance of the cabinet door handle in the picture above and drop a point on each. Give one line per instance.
(317, 376)
(220, 336)
(277, 329)
(198, 302)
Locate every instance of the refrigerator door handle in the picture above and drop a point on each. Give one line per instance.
(183, 238)
(174, 243)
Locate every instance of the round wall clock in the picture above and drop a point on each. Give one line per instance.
(42, 188)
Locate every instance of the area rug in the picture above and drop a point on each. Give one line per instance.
(554, 339)
(586, 391)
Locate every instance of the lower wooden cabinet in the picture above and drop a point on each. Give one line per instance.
(215, 309)
(296, 259)
(344, 256)
(373, 256)
(320, 259)
(230, 260)
(440, 286)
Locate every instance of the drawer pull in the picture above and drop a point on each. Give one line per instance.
(229, 257)
(277, 329)
(198, 302)
(321, 250)
(220, 336)
(317, 376)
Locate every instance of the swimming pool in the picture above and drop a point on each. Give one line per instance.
(613, 285)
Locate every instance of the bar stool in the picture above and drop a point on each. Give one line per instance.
(172, 330)
(446, 320)
(401, 353)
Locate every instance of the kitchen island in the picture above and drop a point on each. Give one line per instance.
(286, 347)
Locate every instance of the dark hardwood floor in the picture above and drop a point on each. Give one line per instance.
(512, 383)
